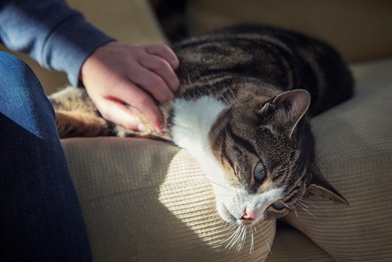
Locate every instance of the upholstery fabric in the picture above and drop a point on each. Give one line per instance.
(292, 245)
(354, 151)
(360, 30)
(146, 200)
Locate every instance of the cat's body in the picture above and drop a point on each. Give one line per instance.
(232, 113)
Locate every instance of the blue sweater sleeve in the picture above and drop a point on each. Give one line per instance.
(56, 36)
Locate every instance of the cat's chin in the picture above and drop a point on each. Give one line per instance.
(246, 223)
(242, 222)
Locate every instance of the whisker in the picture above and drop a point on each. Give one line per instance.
(218, 184)
(232, 226)
(261, 229)
(233, 95)
(302, 204)
(310, 203)
(307, 211)
(268, 246)
(241, 239)
(237, 236)
(252, 242)
(231, 239)
(295, 211)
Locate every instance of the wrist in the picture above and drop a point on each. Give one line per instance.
(91, 61)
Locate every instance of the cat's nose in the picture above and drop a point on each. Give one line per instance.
(246, 219)
(248, 215)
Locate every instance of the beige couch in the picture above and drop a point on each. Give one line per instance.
(149, 201)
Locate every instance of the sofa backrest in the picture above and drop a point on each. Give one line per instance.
(360, 30)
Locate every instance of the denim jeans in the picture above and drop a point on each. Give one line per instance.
(41, 218)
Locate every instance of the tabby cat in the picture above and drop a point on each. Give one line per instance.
(242, 111)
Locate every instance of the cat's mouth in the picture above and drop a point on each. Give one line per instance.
(245, 221)
(239, 217)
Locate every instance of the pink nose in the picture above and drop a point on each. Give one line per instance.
(248, 215)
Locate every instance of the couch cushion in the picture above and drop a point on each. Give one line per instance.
(292, 245)
(360, 30)
(354, 151)
(146, 200)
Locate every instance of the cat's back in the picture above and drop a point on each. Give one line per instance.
(241, 62)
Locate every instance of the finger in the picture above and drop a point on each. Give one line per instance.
(151, 82)
(118, 113)
(150, 110)
(130, 95)
(165, 52)
(163, 69)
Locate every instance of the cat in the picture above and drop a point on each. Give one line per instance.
(246, 95)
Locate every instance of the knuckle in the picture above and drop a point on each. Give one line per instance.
(158, 64)
(156, 48)
(152, 81)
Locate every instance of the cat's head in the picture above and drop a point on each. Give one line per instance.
(265, 150)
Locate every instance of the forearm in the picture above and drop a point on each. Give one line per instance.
(56, 36)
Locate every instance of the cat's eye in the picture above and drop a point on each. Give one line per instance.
(260, 171)
(278, 205)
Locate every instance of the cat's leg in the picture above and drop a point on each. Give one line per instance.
(76, 124)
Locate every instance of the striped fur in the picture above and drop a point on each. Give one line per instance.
(245, 97)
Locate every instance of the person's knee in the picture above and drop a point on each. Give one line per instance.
(10, 63)
(19, 86)
(17, 75)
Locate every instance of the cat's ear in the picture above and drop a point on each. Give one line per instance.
(292, 105)
(319, 187)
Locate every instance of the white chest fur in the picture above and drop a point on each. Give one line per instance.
(192, 123)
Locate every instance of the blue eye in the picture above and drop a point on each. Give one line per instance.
(260, 171)
(278, 205)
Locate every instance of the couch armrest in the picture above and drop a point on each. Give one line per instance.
(146, 200)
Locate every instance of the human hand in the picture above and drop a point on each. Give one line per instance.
(118, 75)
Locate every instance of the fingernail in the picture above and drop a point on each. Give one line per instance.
(141, 127)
